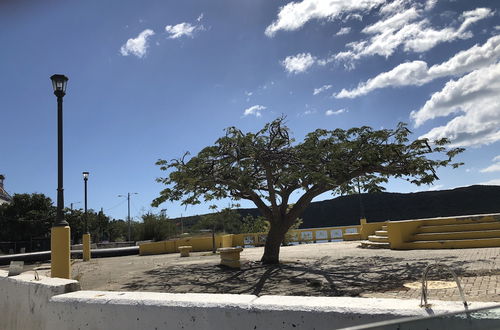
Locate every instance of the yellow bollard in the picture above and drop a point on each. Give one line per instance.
(86, 247)
(60, 262)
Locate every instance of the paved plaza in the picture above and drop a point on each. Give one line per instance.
(323, 269)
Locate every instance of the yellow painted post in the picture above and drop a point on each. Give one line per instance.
(314, 236)
(60, 262)
(86, 247)
(363, 231)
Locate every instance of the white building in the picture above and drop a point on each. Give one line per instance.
(5, 198)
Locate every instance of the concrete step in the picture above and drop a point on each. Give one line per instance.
(379, 239)
(456, 235)
(453, 244)
(384, 227)
(381, 233)
(374, 245)
(351, 237)
(463, 219)
(460, 227)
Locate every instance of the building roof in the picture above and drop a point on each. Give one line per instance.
(4, 196)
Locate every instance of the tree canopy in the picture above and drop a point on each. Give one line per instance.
(266, 167)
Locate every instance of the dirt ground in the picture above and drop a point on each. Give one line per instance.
(326, 269)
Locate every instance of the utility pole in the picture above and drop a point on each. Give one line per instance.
(128, 216)
(71, 205)
(182, 225)
(128, 213)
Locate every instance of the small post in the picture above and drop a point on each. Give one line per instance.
(86, 235)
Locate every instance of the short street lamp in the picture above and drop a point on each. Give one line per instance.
(86, 234)
(60, 233)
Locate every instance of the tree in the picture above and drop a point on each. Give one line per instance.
(28, 216)
(268, 166)
(226, 220)
(250, 224)
(156, 227)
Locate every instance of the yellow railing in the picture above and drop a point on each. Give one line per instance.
(299, 235)
(251, 239)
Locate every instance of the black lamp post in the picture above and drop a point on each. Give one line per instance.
(85, 179)
(59, 83)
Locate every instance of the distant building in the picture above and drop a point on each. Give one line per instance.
(5, 198)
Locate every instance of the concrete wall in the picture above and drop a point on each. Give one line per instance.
(141, 310)
(24, 301)
(54, 304)
(198, 244)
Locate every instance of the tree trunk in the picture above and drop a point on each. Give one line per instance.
(274, 239)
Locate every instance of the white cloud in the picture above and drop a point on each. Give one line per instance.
(394, 22)
(430, 4)
(409, 30)
(321, 89)
(200, 18)
(254, 110)
(181, 30)
(474, 99)
(307, 113)
(298, 63)
(393, 7)
(294, 15)
(494, 182)
(473, 16)
(418, 73)
(137, 46)
(491, 168)
(494, 167)
(343, 31)
(334, 113)
(435, 187)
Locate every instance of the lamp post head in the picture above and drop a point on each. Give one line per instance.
(59, 83)
(85, 175)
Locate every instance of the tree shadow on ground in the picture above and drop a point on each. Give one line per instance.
(327, 276)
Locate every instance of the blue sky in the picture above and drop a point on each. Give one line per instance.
(153, 79)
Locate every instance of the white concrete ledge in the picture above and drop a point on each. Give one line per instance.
(143, 310)
(52, 303)
(24, 300)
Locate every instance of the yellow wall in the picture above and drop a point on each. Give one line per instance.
(205, 243)
(368, 229)
(400, 232)
(198, 244)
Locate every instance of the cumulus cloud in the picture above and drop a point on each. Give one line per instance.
(410, 31)
(494, 167)
(184, 29)
(334, 112)
(343, 31)
(180, 30)
(417, 73)
(321, 89)
(403, 25)
(294, 15)
(254, 110)
(474, 100)
(298, 63)
(137, 46)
